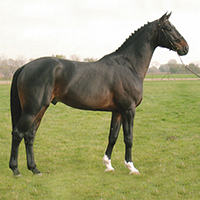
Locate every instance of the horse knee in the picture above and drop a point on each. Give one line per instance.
(128, 142)
(112, 140)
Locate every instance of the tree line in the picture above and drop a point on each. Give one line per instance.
(174, 67)
(9, 66)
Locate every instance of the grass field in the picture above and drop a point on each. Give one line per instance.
(168, 75)
(70, 145)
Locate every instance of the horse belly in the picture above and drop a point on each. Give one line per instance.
(89, 102)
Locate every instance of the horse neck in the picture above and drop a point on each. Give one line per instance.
(139, 48)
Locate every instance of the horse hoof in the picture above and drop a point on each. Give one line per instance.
(109, 169)
(135, 172)
(38, 174)
(17, 175)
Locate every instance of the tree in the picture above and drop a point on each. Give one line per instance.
(194, 67)
(90, 59)
(155, 64)
(153, 70)
(164, 68)
(74, 57)
(59, 56)
(9, 66)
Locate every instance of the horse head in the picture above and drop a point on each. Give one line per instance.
(170, 38)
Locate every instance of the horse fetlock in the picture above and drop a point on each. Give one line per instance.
(15, 170)
(34, 169)
(131, 167)
(36, 172)
(107, 163)
(31, 166)
(13, 164)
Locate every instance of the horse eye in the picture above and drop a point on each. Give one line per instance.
(168, 28)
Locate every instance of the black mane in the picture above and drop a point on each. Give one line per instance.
(132, 37)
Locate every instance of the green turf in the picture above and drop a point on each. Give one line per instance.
(70, 145)
(169, 75)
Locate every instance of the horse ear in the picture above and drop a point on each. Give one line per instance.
(168, 16)
(164, 17)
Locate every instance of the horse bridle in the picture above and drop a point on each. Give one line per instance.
(171, 41)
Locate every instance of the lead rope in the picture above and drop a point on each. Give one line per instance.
(188, 67)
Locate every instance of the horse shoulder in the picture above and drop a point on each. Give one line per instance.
(128, 89)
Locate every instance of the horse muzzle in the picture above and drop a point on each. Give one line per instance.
(183, 51)
(182, 47)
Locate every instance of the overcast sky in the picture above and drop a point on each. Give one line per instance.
(90, 28)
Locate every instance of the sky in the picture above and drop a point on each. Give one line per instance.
(90, 28)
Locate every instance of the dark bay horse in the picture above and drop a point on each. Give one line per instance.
(114, 83)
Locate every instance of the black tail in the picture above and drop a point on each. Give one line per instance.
(15, 105)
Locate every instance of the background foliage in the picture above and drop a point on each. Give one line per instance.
(9, 66)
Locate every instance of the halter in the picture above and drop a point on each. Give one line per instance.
(174, 45)
(171, 41)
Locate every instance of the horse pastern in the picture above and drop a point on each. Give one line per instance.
(131, 167)
(16, 172)
(107, 163)
(36, 171)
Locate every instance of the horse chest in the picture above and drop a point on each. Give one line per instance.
(128, 98)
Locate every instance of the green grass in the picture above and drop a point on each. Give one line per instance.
(70, 145)
(161, 75)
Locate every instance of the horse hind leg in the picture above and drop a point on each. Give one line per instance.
(29, 140)
(18, 133)
(114, 132)
(26, 128)
(16, 140)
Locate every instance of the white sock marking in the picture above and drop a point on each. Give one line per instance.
(107, 163)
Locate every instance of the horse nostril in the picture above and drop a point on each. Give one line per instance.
(186, 49)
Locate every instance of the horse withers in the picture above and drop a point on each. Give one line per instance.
(114, 83)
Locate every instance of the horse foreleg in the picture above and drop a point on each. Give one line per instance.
(127, 120)
(114, 132)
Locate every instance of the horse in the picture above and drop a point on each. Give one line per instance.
(114, 83)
